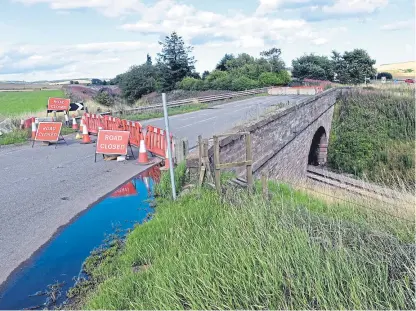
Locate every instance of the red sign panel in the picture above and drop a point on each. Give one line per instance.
(58, 104)
(125, 191)
(48, 131)
(112, 142)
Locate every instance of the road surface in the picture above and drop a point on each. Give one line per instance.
(43, 188)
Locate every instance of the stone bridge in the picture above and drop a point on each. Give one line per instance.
(285, 141)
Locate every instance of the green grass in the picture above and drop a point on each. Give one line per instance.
(171, 111)
(21, 136)
(241, 252)
(14, 103)
(373, 136)
(15, 137)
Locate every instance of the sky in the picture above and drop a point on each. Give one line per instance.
(68, 39)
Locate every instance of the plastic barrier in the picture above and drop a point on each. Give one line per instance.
(112, 123)
(93, 122)
(135, 129)
(156, 141)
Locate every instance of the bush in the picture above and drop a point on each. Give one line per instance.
(104, 98)
(388, 75)
(283, 77)
(268, 79)
(243, 83)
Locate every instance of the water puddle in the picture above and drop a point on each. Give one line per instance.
(56, 266)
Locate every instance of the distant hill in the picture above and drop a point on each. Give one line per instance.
(399, 70)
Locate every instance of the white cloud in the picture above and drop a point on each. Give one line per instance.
(107, 7)
(203, 26)
(399, 25)
(268, 6)
(103, 59)
(344, 7)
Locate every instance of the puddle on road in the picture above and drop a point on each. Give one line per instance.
(60, 260)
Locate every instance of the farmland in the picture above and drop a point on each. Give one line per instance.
(15, 103)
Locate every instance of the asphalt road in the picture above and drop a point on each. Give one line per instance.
(221, 118)
(43, 188)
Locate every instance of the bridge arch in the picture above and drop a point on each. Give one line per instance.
(319, 148)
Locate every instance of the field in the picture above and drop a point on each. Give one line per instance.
(399, 70)
(15, 103)
(290, 251)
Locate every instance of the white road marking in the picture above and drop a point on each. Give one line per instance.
(195, 123)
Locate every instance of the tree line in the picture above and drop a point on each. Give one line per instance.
(174, 68)
(352, 67)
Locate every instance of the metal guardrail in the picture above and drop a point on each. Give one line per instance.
(203, 99)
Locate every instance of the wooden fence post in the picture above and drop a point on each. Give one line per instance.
(249, 159)
(217, 164)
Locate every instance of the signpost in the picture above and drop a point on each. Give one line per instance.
(76, 106)
(58, 104)
(125, 191)
(49, 132)
(112, 142)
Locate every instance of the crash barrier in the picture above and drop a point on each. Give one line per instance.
(156, 141)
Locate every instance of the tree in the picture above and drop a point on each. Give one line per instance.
(222, 64)
(388, 75)
(273, 58)
(353, 67)
(105, 98)
(174, 61)
(148, 60)
(138, 81)
(71, 82)
(104, 82)
(205, 74)
(313, 67)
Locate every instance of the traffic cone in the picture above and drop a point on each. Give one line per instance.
(74, 123)
(143, 159)
(33, 130)
(85, 137)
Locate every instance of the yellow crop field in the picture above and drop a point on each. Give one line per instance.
(399, 70)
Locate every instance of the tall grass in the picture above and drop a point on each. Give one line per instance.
(373, 135)
(244, 252)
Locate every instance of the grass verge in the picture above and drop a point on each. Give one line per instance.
(15, 137)
(244, 252)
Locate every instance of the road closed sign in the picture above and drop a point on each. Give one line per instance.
(58, 104)
(48, 131)
(112, 142)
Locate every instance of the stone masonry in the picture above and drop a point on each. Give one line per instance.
(281, 140)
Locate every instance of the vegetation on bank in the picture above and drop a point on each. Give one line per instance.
(373, 136)
(243, 252)
(14, 103)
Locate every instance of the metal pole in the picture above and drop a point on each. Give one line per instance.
(172, 175)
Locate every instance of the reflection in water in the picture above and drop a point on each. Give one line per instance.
(55, 267)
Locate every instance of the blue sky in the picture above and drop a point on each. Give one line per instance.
(59, 39)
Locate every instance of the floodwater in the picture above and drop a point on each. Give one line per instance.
(60, 260)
